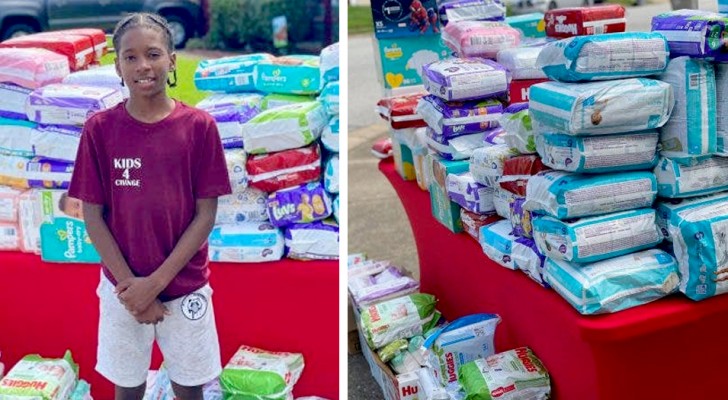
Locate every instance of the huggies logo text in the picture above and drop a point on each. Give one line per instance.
(127, 166)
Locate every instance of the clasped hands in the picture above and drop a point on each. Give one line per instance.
(139, 297)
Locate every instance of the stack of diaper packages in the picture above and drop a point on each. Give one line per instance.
(596, 126)
(278, 121)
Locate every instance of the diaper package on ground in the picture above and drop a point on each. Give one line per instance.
(330, 135)
(616, 284)
(675, 180)
(511, 375)
(63, 234)
(486, 164)
(599, 108)
(463, 340)
(399, 318)
(471, 10)
(465, 79)
(261, 374)
(35, 377)
(243, 205)
(56, 142)
(666, 208)
(12, 100)
(516, 122)
(579, 21)
(294, 74)
(229, 74)
(605, 57)
(471, 195)
(521, 62)
(497, 242)
(472, 222)
(283, 169)
(599, 154)
(400, 111)
(105, 76)
(317, 240)
(284, 128)
(566, 195)
(375, 287)
(479, 39)
(691, 130)
(32, 68)
(459, 118)
(246, 242)
(457, 148)
(299, 204)
(37, 172)
(331, 175)
(69, 104)
(693, 33)
(597, 238)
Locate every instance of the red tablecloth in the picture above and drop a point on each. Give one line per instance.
(284, 306)
(669, 349)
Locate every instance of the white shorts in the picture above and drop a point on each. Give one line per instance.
(187, 338)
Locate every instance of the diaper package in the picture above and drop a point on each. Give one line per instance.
(471, 195)
(240, 101)
(486, 164)
(299, 204)
(37, 172)
(597, 238)
(693, 33)
(331, 175)
(379, 285)
(9, 236)
(63, 234)
(599, 108)
(236, 160)
(283, 169)
(579, 21)
(35, 377)
(617, 284)
(511, 375)
(245, 242)
(400, 111)
(330, 98)
(399, 318)
(666, 208)
(69, 104)
(9, 203)
(335, 204)
(294, 74)
(12, 101)
(459, 118)
(32, 68)
(529, 259)
(284, 128)
(494, 137)
(57, 142)
(313, 241)
(471, 10)
(461, 341)
(521, 62)
(329, 63)
(105, 76)
(691, 130)
(518, 170)
(497, 242)
(465, 79)
(457, 148)
(479, 39)
(502, 200)
(30, 216)
(521, 218)
(330, 135)
(699, 237)
(516, 122)
(243, 205)
(262, 374)
(275, 100)
(531, 25)
(229, 122)
(77, 48)
(472, 222)
(598, 154)
(605, 57)
(15, 137)
(229, 74)
(675, 180)
(721, 106)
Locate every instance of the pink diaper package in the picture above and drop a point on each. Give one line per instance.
(480, 38)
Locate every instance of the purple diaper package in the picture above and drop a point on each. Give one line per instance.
(694, 33)
(367, 289)
(465, 79)
(472, 10)
(471, 195)
(494, 136)
(12, 101)
(457, 148)
(529, 259)
(299, 204)
(317, 240)
(229, 121)
(457, 118)
(61, 104)
(521, 219)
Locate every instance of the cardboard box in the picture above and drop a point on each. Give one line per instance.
(405, 18)
(530, 25)
(400, 60)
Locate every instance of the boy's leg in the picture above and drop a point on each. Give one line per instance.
(135, 393)
(187, 392)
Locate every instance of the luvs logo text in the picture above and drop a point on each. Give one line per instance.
(127, 166)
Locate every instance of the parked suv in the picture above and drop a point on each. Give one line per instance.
(187, 18)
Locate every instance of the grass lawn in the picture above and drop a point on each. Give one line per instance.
(360, 20)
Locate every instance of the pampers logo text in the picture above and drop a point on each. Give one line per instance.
(275, 77)
(127, 165)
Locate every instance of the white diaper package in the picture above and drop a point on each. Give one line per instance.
(57, 142)
(666, 208)
(597, 238)
(246, 242)
(598, 154)
(479, 38)
(497, 242)
(502, 200)
(330, 135)
(229, 74)
(235, 160)
(528, 258)
(284, 128)
(241, 101)
(516, 122)
(63, 104)
(675, 180)
(9, 236)
(457, 148)
(617, 284)
(700, 240)
(105, 76)
(12, 100)
(331, 175)
(465, 79)
(9, 204)
(245, 204)
(318, 240)
(486, 164)
(521, 61)
(569, 195)
(329, 63)
(472, 196)
(15, 137)
(36, 172)
(30, 215)
(600, 108)
(605, 56)
(471, 10)
(691, 130)
(329, 97)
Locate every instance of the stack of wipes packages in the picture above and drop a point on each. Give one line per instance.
(400, 318)
(254, 373)
(511, 375)
(373, 282)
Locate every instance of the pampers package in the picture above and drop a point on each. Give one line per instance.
(16, 137)
(721, 106)
(299, 204)
(331, 175)
(329, 63)
(317, 240)
(284, 128)
(400, 318)
(597, 238)
(599, 108)
(616, 284)
(246, 242)
(675, 180)
(463, 340)
(330, 135)
(465, 79)
(229, 74)
(400, 60)
(63, 104)
(63, 235)
(530, 25)
(330, 98)
(275, 100)
(294, 74)
(512, 375)
(444, 210)
(254, 373)
(459, 118)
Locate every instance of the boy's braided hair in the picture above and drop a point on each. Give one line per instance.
(145, 20)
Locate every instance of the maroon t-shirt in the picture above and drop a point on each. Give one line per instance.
(148, 177)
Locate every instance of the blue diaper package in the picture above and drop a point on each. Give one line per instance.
(666, 208)
(246, 242)
(676, 180)
(294, 74)
(330, 135)
(229, 74)
(330, 98)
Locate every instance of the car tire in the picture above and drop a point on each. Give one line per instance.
(553, 5)
(17, 29)
(180, 28)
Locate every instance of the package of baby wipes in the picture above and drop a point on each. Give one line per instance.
(465, 79)
(329, 63)
(519, 134)
(479, 39)
(299, 204)
(330, 135)
(597, 238)
(317, 240)
(12, 100)
(254, 373)
(600, 108)
(294, 74)
(472, 222)
(497, 243)
(604, 57)
(471, 10)
(229, 74)
(244, 242)
(486, 164)
(721, 106)
(675, 180)
(400, 111)
(616, 284)
(37, 172)
(693, 33)
(35, 377)
(461, 341)
(33, 67)
(284, 128)
(502, 200)
(330, 98)
(456, 148)
(105, 76)
(521, 62)
(56, 142)
(568, 195)
(378, 286)
(400, 318)
(512, 375)
(472, 196)
(244, 204)
(691, 131)
(666, 208)
(580, 21)
(275, 171)
(456, 118)
(331, 175)
(598, 154)
(63, 104)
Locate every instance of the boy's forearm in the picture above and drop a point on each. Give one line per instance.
(106, 246)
